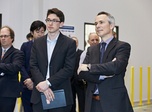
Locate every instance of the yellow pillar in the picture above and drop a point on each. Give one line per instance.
(140, 87)
(132, 86)
(19, 101)
(148, 90)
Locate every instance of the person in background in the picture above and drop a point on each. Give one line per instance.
(93, 39)
(104, 70)
(52, 63)
(78, 86)
(115, 34)
(29, 37)
(37, 30)
(11, 62)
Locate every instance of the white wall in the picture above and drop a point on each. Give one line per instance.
(132, 16)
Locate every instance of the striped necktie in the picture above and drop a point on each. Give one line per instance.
(3, 52)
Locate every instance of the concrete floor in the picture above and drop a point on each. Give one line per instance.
(144, 108)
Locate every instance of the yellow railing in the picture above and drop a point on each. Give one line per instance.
(18, 102)
(148, 91)
(132, 86)
(140, 86)
(132, 91)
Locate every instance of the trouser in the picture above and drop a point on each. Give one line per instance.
(7, 104)
(96, 106)
(26, 97)
(38, 108)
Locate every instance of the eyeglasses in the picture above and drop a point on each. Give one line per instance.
(52, 21)
(5, 36)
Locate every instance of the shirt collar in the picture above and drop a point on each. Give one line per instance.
(48, 39)
(5, 49)
(108, 40)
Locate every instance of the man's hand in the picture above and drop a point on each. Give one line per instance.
(49, 95)
(28, 83)
(42, 86)
(82, 67)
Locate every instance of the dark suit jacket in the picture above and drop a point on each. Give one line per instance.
(10, 65)
(25, 71)
(112, 91)
(75, 76)
(61, 65)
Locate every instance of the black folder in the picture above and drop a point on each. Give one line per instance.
(59, 100)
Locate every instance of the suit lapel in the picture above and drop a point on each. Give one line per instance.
(8, 52)
(95, 54)
(0, 53)
(43, 47)
(58, 45)
(109, 48)
(97, 50)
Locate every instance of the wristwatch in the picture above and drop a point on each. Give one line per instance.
(88, 66)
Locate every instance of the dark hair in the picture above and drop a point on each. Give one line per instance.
(36, 25)
(29, 35)
(57, 12)
(110, 17)
(12, 34)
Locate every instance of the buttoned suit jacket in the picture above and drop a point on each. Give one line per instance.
(112, 90)
(61, 65)
(10, 66)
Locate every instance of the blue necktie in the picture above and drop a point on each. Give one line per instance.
(102, 50)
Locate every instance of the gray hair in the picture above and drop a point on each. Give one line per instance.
(111, 19)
